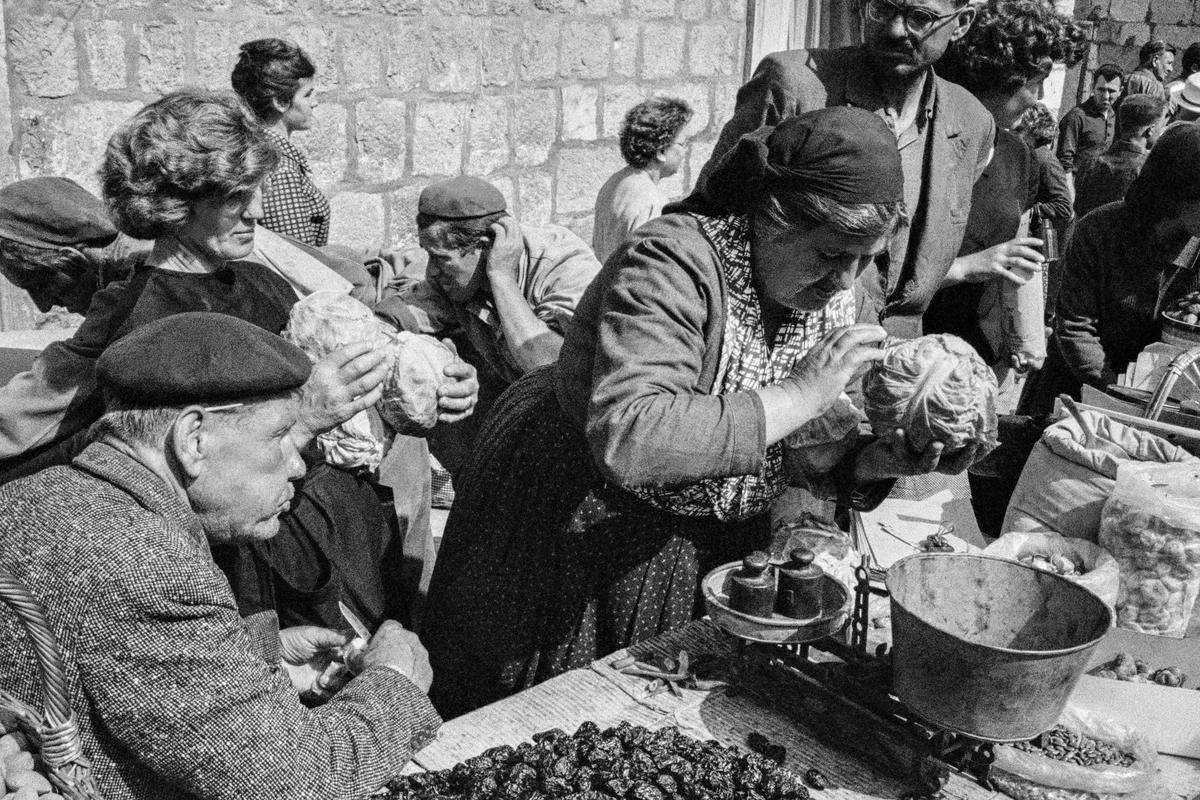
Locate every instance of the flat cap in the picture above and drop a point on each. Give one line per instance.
(199, 356)
(460, 198)
(52, 212)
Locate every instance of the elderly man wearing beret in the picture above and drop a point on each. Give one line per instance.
(176, 695)
(56, 243)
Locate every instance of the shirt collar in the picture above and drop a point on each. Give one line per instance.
(1128, 147)
(287, 149)
(861, 92)
(1092, 107)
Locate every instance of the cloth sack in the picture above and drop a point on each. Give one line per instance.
(1100, 574)
(1072, 471)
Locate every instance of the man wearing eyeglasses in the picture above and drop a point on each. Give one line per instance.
(944, 135)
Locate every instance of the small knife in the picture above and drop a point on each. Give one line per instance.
(360, 630)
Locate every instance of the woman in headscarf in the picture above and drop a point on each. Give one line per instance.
(602, 487)
(274, 77)
(1126, 262)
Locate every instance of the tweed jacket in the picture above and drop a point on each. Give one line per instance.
(176, 696)
(960, 140)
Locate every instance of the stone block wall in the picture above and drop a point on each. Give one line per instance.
(528, 93)
(1123, 26)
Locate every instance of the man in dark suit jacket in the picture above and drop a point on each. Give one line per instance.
(175, 694)
(945, 137)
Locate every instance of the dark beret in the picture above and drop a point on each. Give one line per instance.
(200, 357)
(52, 212)
(460, 198)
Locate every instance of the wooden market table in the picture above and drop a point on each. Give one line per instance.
(607, 697)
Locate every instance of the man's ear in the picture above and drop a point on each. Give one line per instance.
(962, 23)
(187, 441)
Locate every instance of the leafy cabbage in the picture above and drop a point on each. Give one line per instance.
(936, 388)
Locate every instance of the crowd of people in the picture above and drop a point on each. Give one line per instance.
(618, 419)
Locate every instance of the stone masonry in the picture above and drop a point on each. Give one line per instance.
(527, 93)
(1123, 26)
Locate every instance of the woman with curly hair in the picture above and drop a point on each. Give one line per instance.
(1003, 60)
(274, 77)
(652, 144)
(187, 171)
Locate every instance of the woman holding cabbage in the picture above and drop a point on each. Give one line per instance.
(602, 487)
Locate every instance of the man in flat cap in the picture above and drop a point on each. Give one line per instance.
(57, 243)
(174, 693)
(508, 287)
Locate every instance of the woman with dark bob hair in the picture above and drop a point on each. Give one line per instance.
(602, 487)
(1003, 60)
(275, 79)
(1126, 262)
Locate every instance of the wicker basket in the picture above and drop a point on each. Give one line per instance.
(54, 730)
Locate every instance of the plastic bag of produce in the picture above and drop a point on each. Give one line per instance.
(1151, 525)
(410, 402)
(1034, 776)
(936, 388)
(1087, 564)
(1072, 471)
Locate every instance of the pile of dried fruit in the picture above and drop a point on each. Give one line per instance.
(1072, 747)
(627, 762)
(1127, 668)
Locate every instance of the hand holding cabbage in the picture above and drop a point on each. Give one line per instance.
(932, 403)
(414, 381)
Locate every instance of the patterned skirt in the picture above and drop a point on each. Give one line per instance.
(544, 568)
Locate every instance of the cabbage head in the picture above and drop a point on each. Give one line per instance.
(936, 388)
(410, 403)
(325, 321)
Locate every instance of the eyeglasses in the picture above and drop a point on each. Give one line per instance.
(917, 21)
(226, 407)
